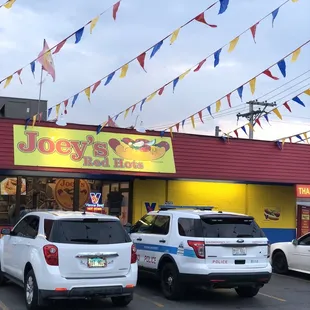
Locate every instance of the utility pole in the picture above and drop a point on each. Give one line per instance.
(253, 115)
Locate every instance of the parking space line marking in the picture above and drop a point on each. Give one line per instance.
(273, 297)
(3, 306)
(149, 300)
(290, 277)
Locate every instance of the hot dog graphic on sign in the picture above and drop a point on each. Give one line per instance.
(272, 214)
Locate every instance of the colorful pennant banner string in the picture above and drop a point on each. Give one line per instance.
(275, 111)
(198, 66)
(78, 34)
(8, 4)
(302, 137)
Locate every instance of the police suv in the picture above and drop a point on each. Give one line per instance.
(186, 246)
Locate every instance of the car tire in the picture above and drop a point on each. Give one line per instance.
(247, 291)
(279, 263)
(3, 279)
(122, 301)
(169, 281)
(31, 291)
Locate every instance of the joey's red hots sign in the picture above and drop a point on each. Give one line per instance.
(65, 148)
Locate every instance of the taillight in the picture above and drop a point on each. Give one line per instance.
(51, 254)
(268, 250)
(133, 254)
(198, 247)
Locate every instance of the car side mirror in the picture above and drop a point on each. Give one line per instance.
(6, 231)
(295, 242)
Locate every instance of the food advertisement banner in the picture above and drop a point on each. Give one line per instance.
(66, 148)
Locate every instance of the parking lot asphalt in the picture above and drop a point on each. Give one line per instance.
(283, 292)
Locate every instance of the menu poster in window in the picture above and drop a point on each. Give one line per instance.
(8, 186)
(305, 221)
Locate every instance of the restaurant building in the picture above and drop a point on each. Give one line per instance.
(128, 173)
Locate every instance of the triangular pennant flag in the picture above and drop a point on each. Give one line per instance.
(174, 36)
(253, 85)
(171, 133)
(59, 46)
(290, 138)
(233, 44)
(177, 126)
(259, 123)
(175, 82)
(200, 116)
(209, 110)
(124, 71)
(201, 18)
(307, 92)
(228, 100)
(250, 126)
(78, 35)
(200, 65)
(236, 133)
(162, 133)
(66, 104)
(115, 9)
(193, 121)
(9, 4)
(87, 93)
(183, 75)
(19, 72)
(57, 109)
(306, 137)
(133, 108)
(295, 0)
(253, 31)
(282, 67)
(141, 60)
(297, 99)
(27, 122)
(109, 78)
(142, 103)
(183, 123)
(224, 6)
(283, 142)
(34, 119)
(299, 137)
(240, 91)
(96, 86)
(8, 81)
(277, 113)
(126, 113)
(266, 118)
(156, 48)
(40, 116)
(287, 106)
(217, 57)
(151, 96)
(74, 100)
(33, 67)
(98, 129)
(218, 106)
(279, 145)
(244, 129)
(93, 24)
(269, 74)
(295, 55)
(160, 92)
(274, 15)
(49, 111)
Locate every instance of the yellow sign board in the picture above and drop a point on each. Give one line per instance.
(80, 149)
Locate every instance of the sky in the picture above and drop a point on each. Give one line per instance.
(139, 25)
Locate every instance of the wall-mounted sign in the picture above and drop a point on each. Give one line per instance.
(8, 187)
(303, 191)
(272, 214)
(64, 148)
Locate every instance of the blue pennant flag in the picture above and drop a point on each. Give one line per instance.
(175, 82)
(274, 15)
(142, 103)
(27, 123)
(162, 133)
(282, 67)
(240, 91)
(183, 122)
(33, 67)
(78, 35)
(299, 137)
(279, 144)
(217, 57)
(224, 6)
(209, 110)
(49, 111)
(156, 48)
(266, 117)
(109, 78)
(243, 128)
(296, 99)
(98, 129)
(74, 100)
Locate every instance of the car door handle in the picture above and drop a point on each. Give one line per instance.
(162, 241)
(139, 239)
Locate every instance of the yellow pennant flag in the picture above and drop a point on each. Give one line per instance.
(295, 55)
(253, 85)
(276, 112)
(151, 96)
(183, 75)
(233, 44)
(295, 0)
(218, 106)
(8, 81)
(124, 71)
(93, 24)
(251, 127)
(306, 137)
(34, 119)
(87, 93)
(126, 113)
(193, 121)
(171, 133)
(57, 109)
(174, 35)
(283, 141)
(9, 4)
(307, 92)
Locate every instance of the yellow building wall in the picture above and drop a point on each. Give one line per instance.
(239, 198)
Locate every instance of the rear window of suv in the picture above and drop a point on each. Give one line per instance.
(220, 227)
(85, 231)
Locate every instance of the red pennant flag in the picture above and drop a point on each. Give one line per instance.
(268, 73)
(65, 104)
(40, 117)
(96, 86)
(115, 9)
(200, 65)
(19, 72)
(160, 92)
(201, 18)
(228, 99)
(290, 139)
(287, 106)
(259, 123)
(59, 46)
(141, 59)
(133, 108)
(253, 31)
(177, 126)
(200, 116)
(236, 133)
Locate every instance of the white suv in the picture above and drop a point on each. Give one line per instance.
(60, 255)
(216, 249)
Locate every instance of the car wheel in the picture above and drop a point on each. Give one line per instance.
(170, 284)
(122, 301)
(279, 263)
(247, 291)
(3, 279)
(31, 291)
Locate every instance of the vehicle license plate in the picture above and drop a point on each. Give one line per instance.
(239, 251)
(96, 262)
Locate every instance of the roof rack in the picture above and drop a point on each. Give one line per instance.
(173, 207)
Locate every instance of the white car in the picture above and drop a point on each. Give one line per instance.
(293, 255)
(185, 247)
(61, 255)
